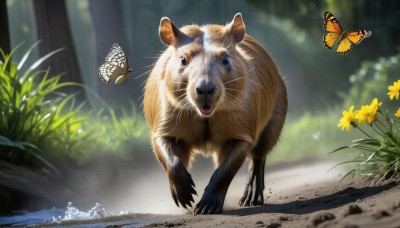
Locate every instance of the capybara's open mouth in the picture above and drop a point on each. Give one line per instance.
(206, 109)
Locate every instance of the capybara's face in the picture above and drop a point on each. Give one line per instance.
(206, 73)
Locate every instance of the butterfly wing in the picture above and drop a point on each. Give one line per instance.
(109, 72)
(357, 36)
(333, 28)
(116, 65)
(117, 56)
(349, 38)
(344, 46)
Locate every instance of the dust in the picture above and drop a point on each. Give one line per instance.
(143, 187)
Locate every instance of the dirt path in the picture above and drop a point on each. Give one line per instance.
(301, 194)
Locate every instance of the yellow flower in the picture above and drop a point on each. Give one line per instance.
(347, 119)
(375, 105)
(397, 113)
(367, 113)
(394, 90)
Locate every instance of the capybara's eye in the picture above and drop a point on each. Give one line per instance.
(183, 60)
(225, 59)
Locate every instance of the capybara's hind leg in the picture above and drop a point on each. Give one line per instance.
(253, 193)
(254, 190)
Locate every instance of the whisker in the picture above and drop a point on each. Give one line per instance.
(233, 80)
(230, 100)
(228, 103)
(151, 57)
(177, 120)
(143, 67)
(255, 83)
(180, 113)
(141, 97)
(177, 90)
(143, 85)
(181, 96)
(179, 103)
(185, 83)
(184, 89)
(143, 74)
(232, 97)
(251, 70)
(233, 89)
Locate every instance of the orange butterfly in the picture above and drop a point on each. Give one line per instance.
(344, 39)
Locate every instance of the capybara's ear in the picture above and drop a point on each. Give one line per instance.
(168, 31)
(237, 28)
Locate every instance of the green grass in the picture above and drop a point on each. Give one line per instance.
(311, 135)
(122, 134)
(39, 124)
(33, 112)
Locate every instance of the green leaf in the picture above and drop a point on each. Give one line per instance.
(26, 55)
(342, 163)
(41, 60)
(340, 148)
(6, 142)
(367, 142)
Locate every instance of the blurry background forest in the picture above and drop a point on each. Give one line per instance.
(107, 131)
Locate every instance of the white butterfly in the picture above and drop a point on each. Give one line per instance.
(116, 66)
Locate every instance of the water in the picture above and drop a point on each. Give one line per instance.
(94, 217)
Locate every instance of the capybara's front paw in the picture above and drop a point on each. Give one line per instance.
(182, 185)
(210, 203)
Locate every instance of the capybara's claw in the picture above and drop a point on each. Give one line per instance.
(249, 200)
(182, 186)
(211, 203)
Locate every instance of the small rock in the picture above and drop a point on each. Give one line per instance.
(351, 226)
(318, 218)
(351, 209)
(169, 224)
(274, 225)
(381, 214)
(396, 206)
(259, 222)
(284, 218)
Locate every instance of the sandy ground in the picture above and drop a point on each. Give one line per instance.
(300, 194)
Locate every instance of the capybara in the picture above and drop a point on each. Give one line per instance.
(216, 91)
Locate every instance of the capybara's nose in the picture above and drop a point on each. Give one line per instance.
(205, 88)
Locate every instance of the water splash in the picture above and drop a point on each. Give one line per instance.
(73, 213)
(57, 215)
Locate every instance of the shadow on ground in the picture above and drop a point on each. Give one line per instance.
(334, 200)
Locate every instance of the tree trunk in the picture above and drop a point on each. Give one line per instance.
(107, 22)
(4, 31)
(53, 29)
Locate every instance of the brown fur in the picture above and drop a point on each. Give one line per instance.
(248, 103)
